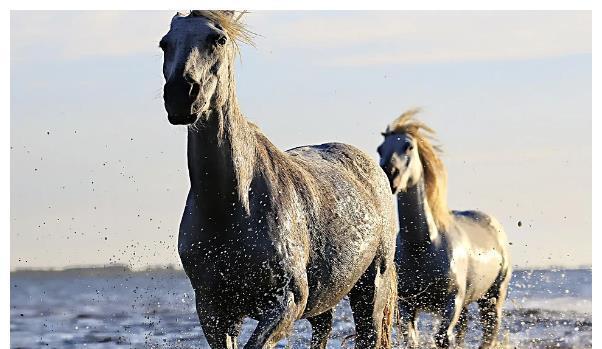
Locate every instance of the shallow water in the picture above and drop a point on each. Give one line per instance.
(114, 308)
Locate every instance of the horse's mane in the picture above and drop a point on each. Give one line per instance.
(435, 175)
(230, 21)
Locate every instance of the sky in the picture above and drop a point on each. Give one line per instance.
(98, 175)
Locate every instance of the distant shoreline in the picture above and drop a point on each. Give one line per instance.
(125, 269)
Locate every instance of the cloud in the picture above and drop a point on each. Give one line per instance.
(328, 38)
(372, 38)
(69, 35)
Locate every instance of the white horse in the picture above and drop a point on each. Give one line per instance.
(445, 260)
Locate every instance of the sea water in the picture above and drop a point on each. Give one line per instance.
(118, 308)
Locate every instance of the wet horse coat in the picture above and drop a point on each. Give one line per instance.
(445, 261)
(272, 235)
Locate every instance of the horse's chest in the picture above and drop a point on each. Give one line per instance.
(424, 277)
(215, 261)
(231, 270)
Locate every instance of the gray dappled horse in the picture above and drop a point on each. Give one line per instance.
(272, 235)
(445, 260)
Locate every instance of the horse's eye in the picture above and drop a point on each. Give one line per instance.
(217, 39)
(408, 147)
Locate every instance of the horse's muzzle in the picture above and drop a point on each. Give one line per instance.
(392, 173)
(180, 97)
(181, 119)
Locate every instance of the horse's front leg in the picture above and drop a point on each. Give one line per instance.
(449, 318)
(277, 322)
(221, 329)
(321, 325)
(407, 317)
(217, 336)
(461, 327)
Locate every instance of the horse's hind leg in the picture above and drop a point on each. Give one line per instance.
(372, 301)
(461, 327)
(491, 316)
(320, 329)
(490, 308)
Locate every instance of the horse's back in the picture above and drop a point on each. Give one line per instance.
(489, 260)
(344, 171)
(346, 160)
(484, 230)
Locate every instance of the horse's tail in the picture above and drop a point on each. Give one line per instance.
(390, 310)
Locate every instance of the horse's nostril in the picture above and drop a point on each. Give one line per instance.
(195, 90)
(180, 97)
(181, 91)
(188, 78)
(390, 170)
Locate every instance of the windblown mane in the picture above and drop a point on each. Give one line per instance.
(435, 175)
(230, 21)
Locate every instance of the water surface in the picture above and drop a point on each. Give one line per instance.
(117, 308)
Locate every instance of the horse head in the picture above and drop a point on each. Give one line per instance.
(198, 52)
(400, 159)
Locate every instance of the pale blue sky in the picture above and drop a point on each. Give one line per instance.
(509, 94)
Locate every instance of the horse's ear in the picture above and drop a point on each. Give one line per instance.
(178, 15)
(229, 13)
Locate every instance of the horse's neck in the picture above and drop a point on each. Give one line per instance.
(221, 160)
(416, 223)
